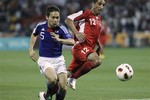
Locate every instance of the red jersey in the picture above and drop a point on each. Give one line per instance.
(89, 24)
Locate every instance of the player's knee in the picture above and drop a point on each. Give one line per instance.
(63, 87)
(95, 59)
(97, 62)
(52, 81)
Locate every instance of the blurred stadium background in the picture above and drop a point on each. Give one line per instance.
(128, 40)
(127, 21)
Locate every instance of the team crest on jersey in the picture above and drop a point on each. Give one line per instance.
(42, 29)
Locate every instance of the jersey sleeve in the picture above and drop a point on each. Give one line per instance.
(64, 32)
(79, 15)
(36, 30)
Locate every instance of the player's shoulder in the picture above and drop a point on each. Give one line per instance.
(87, 11)
(63, 28)
(84, 11)
(41, 23)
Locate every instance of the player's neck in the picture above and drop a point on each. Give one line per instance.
(92, 10)
(49, 26)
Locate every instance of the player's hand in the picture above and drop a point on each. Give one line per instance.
(33, 55)
(55, 36)
(80, 36)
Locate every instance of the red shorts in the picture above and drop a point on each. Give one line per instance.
(80, 54)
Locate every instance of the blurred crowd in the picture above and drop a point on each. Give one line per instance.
(18, 17)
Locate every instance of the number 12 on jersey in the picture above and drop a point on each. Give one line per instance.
(92, 21)
(85, 50)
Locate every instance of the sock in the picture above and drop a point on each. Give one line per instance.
(85, 68)
(60, 96)
(51, 90)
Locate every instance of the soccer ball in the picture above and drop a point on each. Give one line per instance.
(124, 72)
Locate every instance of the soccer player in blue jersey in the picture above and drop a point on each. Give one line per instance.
(51, 62)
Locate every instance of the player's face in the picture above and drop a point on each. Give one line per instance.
(98, 6)
(53, 19)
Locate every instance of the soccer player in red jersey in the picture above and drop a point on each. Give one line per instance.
(86, 31)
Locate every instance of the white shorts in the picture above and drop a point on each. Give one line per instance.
(58, 64)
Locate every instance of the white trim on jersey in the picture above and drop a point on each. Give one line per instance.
(81, 22)
(40, 23)
(82, 25)
(73, 16)
(64, 29)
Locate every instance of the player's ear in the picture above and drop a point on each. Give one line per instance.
(92, 4)
(46, 17)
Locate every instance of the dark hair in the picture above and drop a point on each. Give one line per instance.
(52, 9)
(94, 1)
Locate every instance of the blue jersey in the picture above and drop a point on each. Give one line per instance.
(48, 46)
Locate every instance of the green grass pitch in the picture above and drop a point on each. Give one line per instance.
(20, 78)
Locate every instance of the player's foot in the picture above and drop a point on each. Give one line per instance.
(72, 83)
(41, 96)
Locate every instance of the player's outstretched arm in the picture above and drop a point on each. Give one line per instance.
(32, 53)
(68, 41)
(70, 24)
